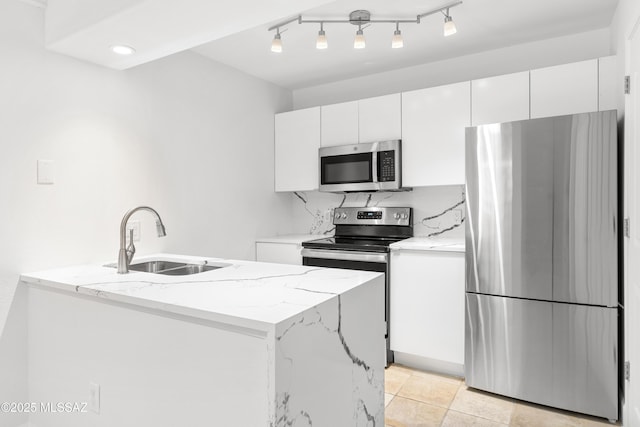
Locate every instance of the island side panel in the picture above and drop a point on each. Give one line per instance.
(153, 369)
(330, 362)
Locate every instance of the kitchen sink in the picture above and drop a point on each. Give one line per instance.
(172, 268)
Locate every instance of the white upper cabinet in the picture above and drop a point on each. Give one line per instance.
(379, 118)
(564, 89)
(366, 120)
(297, 139)
(607, 83)
(500, 99)
(339, 124)
(433, 134)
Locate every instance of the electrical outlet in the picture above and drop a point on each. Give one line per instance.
(457, 216)
(45, 172)
(94, 397)
(135, 226)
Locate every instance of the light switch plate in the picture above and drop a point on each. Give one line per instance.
(45, 172)
(135, 226)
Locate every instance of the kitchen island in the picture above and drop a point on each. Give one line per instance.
(250, 344)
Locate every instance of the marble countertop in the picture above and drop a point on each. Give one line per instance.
(244, 294)
(291, 238)
(430, 244)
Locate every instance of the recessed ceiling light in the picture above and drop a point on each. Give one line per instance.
(123, 50)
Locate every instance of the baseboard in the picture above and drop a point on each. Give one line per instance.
(426, 364)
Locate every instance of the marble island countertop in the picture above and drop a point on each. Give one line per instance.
(249, 344)
(245, 294)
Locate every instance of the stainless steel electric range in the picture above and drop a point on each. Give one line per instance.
(361, 242)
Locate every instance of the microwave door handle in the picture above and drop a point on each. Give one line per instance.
(374, 167)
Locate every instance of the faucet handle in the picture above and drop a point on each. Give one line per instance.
(131, 249)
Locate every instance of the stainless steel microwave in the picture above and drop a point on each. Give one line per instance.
(375, 166)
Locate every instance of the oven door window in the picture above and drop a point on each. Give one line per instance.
(346, 169)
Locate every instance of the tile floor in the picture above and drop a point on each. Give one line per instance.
(421, 399)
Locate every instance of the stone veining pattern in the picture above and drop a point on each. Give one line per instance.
(363, 381)
(434, 209)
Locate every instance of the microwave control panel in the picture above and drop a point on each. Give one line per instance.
(386, 166)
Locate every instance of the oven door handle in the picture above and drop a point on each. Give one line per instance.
(345, 255)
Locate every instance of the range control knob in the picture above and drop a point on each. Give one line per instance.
(396, 215)
(343, 216)
(337, 215)
(404, 216)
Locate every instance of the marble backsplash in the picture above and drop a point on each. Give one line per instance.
(434, 209)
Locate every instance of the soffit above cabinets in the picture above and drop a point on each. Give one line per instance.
(86, 29)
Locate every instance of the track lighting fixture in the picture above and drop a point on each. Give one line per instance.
(321, 41)
(396, 41)
(362, 18)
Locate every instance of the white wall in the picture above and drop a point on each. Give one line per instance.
(543, 53)
(185, 135)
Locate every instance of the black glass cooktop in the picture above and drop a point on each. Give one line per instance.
(378, 244)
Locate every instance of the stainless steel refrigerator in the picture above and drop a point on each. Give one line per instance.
(542, 261)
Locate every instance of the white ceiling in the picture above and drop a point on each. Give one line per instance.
(482, 25)
(86, 29)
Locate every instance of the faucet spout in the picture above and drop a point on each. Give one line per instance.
(125, 255)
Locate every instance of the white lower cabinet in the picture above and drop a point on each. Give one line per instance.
(279, 253)
(427, 309)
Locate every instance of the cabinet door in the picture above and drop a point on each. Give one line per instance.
(500, 99)
(279, 253)
(564, 89)
(427, 304)
(433, 131)
(339, 124)
(607, 83)
(379, 118)
(297, 139)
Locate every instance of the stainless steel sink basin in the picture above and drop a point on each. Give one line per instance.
(172, 268)
(155, 266)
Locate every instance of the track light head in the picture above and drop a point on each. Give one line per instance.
(359, 42)
(321, 41)
(397, 42)
(449, 25)
(276, 44)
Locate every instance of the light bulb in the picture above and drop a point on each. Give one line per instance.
(359, 42)
(396, 41)
(321, 41)
(449, 26)
(276, 44)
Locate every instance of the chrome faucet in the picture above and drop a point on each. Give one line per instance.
(126, 253)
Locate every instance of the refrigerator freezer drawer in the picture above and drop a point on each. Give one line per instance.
(555, 354)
